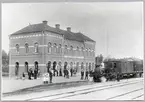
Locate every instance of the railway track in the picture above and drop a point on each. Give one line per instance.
(136, 98)
(133, 91)
(83, 91)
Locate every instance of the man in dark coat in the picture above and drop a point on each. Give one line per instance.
(118, 76)
(35, 73)
(71, 71)
(60, 72)
(82, 73)
(67, 73)
(50, 75)
(29, 74)
(64, 71)
(86, 74)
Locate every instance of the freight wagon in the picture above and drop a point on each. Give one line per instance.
(126, 68)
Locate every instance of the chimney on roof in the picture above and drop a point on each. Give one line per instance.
(57, 26)
(44, 22)
(69, 29)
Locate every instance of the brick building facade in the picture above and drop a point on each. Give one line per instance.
(39, 46)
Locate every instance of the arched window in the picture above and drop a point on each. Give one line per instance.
(77, 66)
(93, 53)
(49, 47)
(26, 66)
(36, 47)
(55, 47)
(86, 52)
(27, 47)
(93, 66)
(89, 52)
(60, 48)
(82, 49)
(86, 65)
(78, 52)
(48, 66)
(82, 65)
(66, 50)
(54, 65)
(71, 50)
(17, 48)
(71, 64)
(60, 64)
(90, 67)
(36, 65)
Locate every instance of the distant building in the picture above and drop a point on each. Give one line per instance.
(39, 45)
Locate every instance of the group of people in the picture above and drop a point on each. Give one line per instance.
(86, 73)
(112, 75)
(56, 70)
(66, 72)
(32, 74)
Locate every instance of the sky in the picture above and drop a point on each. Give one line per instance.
(117, 27)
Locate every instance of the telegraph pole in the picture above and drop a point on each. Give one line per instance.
(107, 41)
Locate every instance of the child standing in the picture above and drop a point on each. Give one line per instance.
(23, 76)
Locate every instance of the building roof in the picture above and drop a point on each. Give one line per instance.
(44, 27)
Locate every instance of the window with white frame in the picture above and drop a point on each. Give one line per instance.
(89, 52)
(49, 47)
(86, 52)
(17, 48)
(36, 47)
(55, 47)
(26, 47)
(60, 48)
(66, 49)
(93, 53)
(82, 49)
(78, 52)
(71, 50)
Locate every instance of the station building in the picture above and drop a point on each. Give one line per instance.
(39, 46)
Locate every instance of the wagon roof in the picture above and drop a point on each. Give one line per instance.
(123, 60)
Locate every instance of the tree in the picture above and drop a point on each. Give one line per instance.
(5, 62)
(4, 57)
